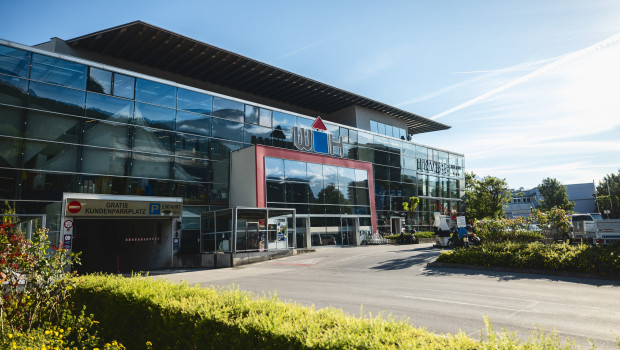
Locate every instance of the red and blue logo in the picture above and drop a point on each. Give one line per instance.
(316, 140)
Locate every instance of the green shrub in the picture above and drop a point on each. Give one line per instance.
(176, 316)
(552, 257)
(425, 234)
(506, 230)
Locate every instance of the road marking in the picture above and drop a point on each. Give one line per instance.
(468, 304)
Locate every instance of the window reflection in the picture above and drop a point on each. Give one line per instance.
(274, 168)
(108, 108)
(50, 156)
(124, 86)
(99, 80)
(229, 109)
(191, 146)
(102, 161)
(193, 123)
(152, 141)
(294, 171)
(156, 93)
(53, 127)
(265, 117)
(103, 134)
(150, 165)
(251, 114)
(10, 151)
(14, 61)
(192, 169)
(228, 129)
(153, 116)
(12, 121)
(56, 98)
(194, 101)
(13, 91)
(58, 71)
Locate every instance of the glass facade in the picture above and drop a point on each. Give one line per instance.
(71, 127)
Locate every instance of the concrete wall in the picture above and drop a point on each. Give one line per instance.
(243, 178)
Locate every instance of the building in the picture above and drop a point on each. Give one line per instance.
(524, 201)
(124, 138)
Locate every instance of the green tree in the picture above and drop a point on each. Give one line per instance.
(554, 196)
(486, 197)
(608, 195)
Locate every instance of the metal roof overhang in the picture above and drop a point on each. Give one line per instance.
(158, 48)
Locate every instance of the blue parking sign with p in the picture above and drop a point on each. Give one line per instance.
(154, 208)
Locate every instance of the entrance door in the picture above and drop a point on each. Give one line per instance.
(395, 225)
(302, 232)
(252, 236)
(347, 230)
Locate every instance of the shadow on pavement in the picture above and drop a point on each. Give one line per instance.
(421, 255)
(512, 276)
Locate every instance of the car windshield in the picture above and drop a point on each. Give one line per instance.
(596, 216)
(579, 218)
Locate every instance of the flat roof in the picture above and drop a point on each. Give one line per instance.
(146, 44)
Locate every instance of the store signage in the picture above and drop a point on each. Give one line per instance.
(102, 208)
(432, 166)
(317, 141)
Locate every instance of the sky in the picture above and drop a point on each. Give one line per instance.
(531, 89)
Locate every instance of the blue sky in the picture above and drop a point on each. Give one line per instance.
(530, 88)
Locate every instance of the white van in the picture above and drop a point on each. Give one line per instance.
(583, 226)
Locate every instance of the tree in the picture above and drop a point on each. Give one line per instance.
(554, 196)
(410, 206)
(608, 195)
(486, 197)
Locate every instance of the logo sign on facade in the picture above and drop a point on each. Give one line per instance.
(316, 140)
(432, 166)
(102, 208)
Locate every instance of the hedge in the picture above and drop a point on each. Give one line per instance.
(176, 316)
(603, 260)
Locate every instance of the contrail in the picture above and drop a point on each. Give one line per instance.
(566, 59)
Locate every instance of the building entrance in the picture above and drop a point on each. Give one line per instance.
(121, 245)
(348, 228)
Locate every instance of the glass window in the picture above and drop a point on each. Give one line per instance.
(395, 175)
(220, 171)
(344, 133)
(108, 108)
(283, 126)
(265, 117)
(275, 191)
(361, 178)
(50, 156)
(346, 177)
(251, 114)
(14, 61)
(227, 129)
(152, 141)
(366, 154)
(193, 123)
(353, 137)
(45, 186)
(361, 197)
(149, 165)
(255, 134)
(373, 126)
(99, 80)
(422, 185)
(149, 187)
(154, 117)
(274, 168)
(331, 195)
(421, 152)
(8, 182)
(314, 191)
(381, 172)
(382, 158)
(315, 173)
(305, 123)
(433, 186)
(381, 128)
(103, 134)
(56, 98)
(192, 169)
(403, 134)
(124, 86)
(13, 91)
(296, 192)
(10, 151)
(220, 149)
(365, 139)
(395, 160)
(334, 130)
(346, 197)
(295, 171)
(53, 127)
(330, 174)
(12, 121)
(191, 146)
(409, 176)
(156, 93)
(58, 71)
(102, 161)
(194, 101)
(229, 109)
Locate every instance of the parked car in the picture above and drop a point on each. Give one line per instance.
(584, 226)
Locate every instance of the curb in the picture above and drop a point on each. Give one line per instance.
(523, 271)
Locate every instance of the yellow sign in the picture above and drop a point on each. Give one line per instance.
(100, 207)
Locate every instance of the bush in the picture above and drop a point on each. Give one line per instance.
(506, 230)
(603, 260)
(425, 234)
(176, 316)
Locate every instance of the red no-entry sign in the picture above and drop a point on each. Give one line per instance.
(74, 207)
